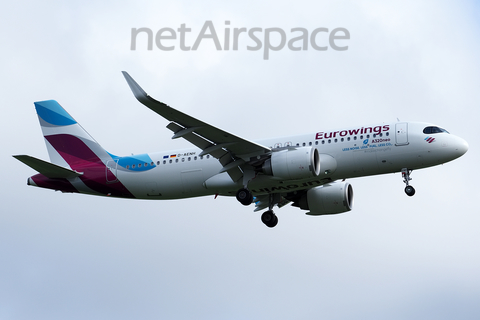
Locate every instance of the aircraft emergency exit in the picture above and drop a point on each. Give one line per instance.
(308, 171)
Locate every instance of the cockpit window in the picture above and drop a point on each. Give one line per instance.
(430, 130)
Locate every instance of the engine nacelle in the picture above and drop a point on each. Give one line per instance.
(328, 199)
(293, 164)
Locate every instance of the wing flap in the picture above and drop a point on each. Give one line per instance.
(218, 151)
(194, 139)
(48, 169)
(262, 202)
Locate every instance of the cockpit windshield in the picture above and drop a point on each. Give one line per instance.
(431, 130)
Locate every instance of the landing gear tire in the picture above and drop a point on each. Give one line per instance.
(409, 190)
(244, 196)
(269, 219)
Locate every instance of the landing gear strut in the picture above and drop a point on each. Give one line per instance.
(244, 196)
(268, 217)
(409, 190)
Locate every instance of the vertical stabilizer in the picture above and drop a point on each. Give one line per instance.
(68, 144)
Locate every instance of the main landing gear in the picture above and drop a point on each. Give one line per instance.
(269, 218)
(245, 197)
(409, 190)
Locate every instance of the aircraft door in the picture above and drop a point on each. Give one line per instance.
(111, 171)
(401, 134)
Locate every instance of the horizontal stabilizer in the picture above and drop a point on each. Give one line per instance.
(48, 169)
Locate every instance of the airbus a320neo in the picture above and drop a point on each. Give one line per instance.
(308, 171)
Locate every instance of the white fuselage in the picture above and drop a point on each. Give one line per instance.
(361, 151)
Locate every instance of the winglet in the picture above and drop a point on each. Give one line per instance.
(138, 92)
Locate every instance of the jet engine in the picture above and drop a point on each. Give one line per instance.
(330, 198)
(293, 163)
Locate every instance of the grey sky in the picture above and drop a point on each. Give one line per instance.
(70, 256)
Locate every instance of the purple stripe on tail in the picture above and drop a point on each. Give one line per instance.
(72, 149)
(56, 184)
(82, 159)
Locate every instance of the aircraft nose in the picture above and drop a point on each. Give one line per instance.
(461, 147)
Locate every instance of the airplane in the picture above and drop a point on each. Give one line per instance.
(309, 171)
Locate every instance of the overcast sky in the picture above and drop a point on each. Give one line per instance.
(71, 256)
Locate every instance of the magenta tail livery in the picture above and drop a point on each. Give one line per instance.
(308, 171)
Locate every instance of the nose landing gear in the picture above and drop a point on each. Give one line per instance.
(409, 190)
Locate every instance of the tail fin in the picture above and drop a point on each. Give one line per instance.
(68, 144)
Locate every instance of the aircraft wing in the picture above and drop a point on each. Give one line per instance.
(232, 151)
